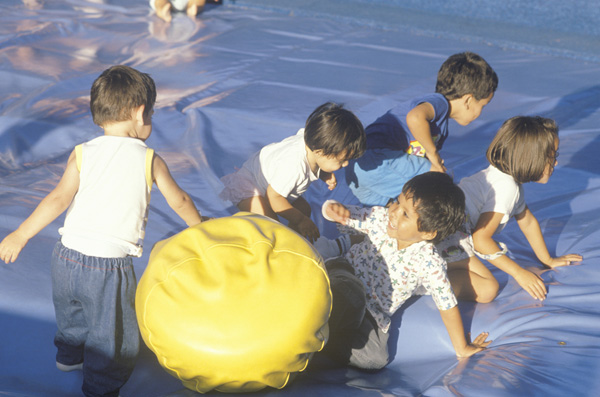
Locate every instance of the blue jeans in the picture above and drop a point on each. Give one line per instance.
(380, 174)
(354, 337)
(94, 301)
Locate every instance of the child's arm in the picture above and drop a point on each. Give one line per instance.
(454, 326)
(482, 240)
(298, 221)
(329, 178)
(531, 229)
(54, 204)
(177, 199)
(417, 121)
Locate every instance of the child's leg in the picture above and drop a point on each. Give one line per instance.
(369, 346)
(72, 327)
(354, 337)
(380, 174)
(163, 9)
(472, 281)
(194, 7)
(105, 287)
(329, 248)
(258, 205)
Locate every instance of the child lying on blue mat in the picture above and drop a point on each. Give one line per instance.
(395, 260)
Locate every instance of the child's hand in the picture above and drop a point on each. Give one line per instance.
(532, 283)
(437, 163)
(477, 345)
(564, 260)
(11, 246)
(331, 181)
(308, 229)
(337, 212)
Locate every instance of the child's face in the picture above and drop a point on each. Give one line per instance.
(549, 169)
(469, 108)
(330, 163)
(403, 223)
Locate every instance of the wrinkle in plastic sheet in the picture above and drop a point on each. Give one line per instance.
(238, 78)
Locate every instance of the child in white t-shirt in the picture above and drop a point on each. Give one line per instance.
(271, 182)
(524, 150)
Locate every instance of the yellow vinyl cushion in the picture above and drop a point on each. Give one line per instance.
(234, 304)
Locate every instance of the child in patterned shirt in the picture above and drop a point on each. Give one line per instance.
(392, 258)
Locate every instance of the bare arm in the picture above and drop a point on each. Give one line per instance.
(482, 240)
(297, 220)
(417, 121)
(530, 227)
(54, 204)
(456, 331)
(176, 197)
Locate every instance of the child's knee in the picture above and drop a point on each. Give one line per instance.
(371, 362)
(489, 291)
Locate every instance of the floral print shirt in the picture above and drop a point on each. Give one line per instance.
(390, 275)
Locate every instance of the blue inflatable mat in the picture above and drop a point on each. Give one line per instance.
(248, 73)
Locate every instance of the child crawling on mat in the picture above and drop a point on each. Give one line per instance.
(106, 186)
(525, 149)
(273, 180)
(407, 140)
(395, 260)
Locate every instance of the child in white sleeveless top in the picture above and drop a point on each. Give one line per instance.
(106, 186)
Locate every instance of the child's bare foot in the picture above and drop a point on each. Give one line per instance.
(164, 12)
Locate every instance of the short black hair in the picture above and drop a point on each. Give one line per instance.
(466, 73)
(119, 90)
(439, 202)
(335, 131)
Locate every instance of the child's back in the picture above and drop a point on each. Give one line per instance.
(108, 214)
(406, 140)
(106, 185)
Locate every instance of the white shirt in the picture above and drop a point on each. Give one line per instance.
(283, 165)
(107, 217)
(491, 190)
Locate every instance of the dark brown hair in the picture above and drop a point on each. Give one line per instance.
(466, 73)
(335, 131)
(439, 202)
(523, 147)
(119, 90)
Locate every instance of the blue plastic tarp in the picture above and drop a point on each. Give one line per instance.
(245, 74)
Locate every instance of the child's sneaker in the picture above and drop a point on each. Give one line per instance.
(69, 368)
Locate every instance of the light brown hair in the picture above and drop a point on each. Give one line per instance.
(523, 147)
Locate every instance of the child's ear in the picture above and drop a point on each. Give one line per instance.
(468, 100)
(138, 114)
(429, 236)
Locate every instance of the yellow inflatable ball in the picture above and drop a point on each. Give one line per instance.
(234, 304)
